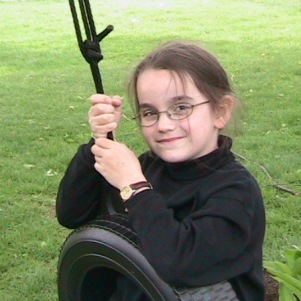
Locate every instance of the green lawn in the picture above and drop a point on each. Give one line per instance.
(45, 84)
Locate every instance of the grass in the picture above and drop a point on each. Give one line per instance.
(45, 84)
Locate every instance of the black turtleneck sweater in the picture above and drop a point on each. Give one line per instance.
(203, 222)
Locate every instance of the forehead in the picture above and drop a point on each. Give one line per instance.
(163, 83)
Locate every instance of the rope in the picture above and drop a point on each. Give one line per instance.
(88, 25)
(90, 48)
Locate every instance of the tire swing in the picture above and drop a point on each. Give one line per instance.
(94, 256)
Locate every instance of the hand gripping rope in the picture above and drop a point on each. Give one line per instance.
(94, 255)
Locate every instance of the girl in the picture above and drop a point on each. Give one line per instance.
(198, 213)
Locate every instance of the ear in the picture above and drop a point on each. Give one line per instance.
(224, 112)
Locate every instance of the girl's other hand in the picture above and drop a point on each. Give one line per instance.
(117, 163)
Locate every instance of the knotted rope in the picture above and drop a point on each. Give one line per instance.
(90, 48)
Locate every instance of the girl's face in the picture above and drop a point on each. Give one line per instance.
(177, 140)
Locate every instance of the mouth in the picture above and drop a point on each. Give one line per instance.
(169, 140)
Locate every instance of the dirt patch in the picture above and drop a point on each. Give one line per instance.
(272, 287)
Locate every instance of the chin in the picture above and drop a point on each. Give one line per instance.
(173, 158)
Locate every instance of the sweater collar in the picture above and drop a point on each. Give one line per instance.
(203, 166)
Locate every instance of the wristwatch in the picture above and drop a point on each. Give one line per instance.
(128, 191)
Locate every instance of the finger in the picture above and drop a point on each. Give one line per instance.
(102, 124)
(102, 130)
(97, 167)
(104, 143)
(96, 150)
(100, 98)
(101, 108)
(100, 118)
(101, 149)
(116, 100)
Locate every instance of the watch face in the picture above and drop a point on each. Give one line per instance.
(126, 193)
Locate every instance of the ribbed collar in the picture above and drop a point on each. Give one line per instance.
(204, 165)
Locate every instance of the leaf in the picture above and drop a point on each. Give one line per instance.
(296, 271)
(285, 294)
(288, 274)
(291, 283)
(50, 173)
(292, 256)
(277, 267)
(29, 166)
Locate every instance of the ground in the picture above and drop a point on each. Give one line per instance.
(272, 287)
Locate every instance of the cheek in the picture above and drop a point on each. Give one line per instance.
(205, 119)
(193, 123)
(200, 124)
(186, 125)
(147, 133)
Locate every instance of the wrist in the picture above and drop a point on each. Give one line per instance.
(141, 189)
(131, 190)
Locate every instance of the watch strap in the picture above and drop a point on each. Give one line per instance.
(142, 184)
(129, 191)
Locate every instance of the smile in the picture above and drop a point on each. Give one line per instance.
(169, 140)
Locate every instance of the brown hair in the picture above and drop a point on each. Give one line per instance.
(186, 58)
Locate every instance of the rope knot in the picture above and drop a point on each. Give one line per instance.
(91, 51)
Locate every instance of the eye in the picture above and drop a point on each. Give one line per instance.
(181, 107)
(148, 113)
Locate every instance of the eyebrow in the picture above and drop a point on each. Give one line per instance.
(171, 100)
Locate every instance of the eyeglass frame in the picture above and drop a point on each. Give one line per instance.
(137, 117)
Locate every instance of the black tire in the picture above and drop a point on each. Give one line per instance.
(95, 254)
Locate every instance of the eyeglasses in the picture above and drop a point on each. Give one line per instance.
(148, 117)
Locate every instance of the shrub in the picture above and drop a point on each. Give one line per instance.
(288, 274)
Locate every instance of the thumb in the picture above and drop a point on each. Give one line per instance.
(117, 102)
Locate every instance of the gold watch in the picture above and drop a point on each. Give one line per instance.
(128, 191)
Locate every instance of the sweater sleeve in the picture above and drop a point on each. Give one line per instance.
(209, 245)
(79, 192)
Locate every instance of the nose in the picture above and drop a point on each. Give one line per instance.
(165, 123)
